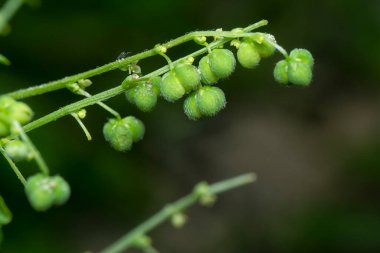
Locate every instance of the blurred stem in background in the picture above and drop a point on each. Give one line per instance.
(8, 10)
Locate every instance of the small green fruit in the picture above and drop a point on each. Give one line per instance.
(302, 55)
(207, 76)
(171, 88)
(4, 129)
(136, 126)
(247, 54)
(263, 46)
(210, 100)
(188, 76)
(21, 112)
(5, 102)
(280, 72)
(190, 107)
(155, 82)
(118, 135)
(222, 62)
(299, 73)
(61, 190)
(130, 95)
(145, 97)
(39, 191)
(17, 150)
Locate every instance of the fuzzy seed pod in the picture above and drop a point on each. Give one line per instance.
(130, 95)
(299, 73)
(118, 135)
(264, 48)
(210, 100)
(188, 76)
(136, 126)
(17, 150)
(4, 128)
(207, 76)
(61, 190)
(280, 72)
(171, 88)
(155, 81)
(40, 192)
(5, 102)
(145, 98)
(190, 107)
(20, 112)
(247, 54)
(222, 62)
(302, 55)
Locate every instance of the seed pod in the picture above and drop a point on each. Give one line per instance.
(136, 126)
(21, 112)
(190, 107)
(210, 100)
(188, 76)
(207, 76)
(4, 129)
(40, 193)
(61, 190)
(299, 73)
(222, 62)
(155, 81)
(118, 135)
(130, 95)
(145, 98)
(247, 54)
(171, 88)
(17, 150)
(302, 55)
(262, 45)
(280, 72)
(5, 102)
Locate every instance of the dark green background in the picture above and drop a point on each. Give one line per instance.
(316, 151)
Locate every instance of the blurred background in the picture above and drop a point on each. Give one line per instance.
(316, 150)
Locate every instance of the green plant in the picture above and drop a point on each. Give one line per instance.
(177, 79)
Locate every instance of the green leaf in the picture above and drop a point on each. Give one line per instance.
(5, 213)
(4, 60)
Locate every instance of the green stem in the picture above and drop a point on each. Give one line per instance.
(84, 128)
(101, 104)
(13, 166)
(127, 240)
(8, 11)
(36, 154)
(61, 83)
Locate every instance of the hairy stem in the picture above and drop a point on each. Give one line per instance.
(13, 166)
(61, 83)
(127, 240)
(8, 11)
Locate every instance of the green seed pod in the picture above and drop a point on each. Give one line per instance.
(5, 102)
(171, 88)
(21, 112)
(4, 129)
(136, 126)
(262, 45)
(207, 76)
(39, 191)
(210, 100)
(299, 73)
(155, 81)
(280, 72)
(190, 107)
(222, 62)
(188, 76)
(145, 98)
(130, 95)
(247, 54)
(118, 135)
(61, 190)
(302, 55)
(17, 150)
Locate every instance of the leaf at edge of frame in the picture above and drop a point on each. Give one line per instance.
(4, 60)
(5, 213)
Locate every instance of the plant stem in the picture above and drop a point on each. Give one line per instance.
(7, 11)
(84, 128)
(127, 240)
(101, 104)
(36, 154)
(61, 83)
(13, 166)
